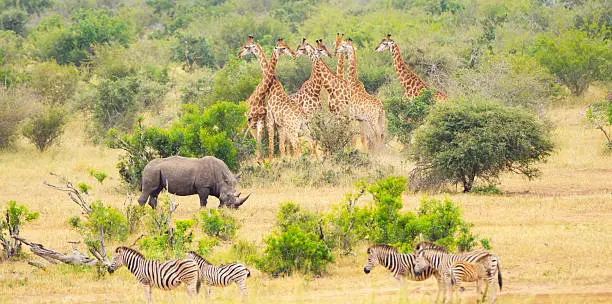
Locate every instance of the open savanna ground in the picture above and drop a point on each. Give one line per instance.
(552, 234)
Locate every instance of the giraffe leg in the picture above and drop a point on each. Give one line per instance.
(363, 129)
(259, 136)
(281, 141)
(270, 126)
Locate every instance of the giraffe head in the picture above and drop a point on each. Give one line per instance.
(385, 44)
(338, 42)
(345, 47)
(322, 49)
(249, 47)
(282, 48)
(305, 48)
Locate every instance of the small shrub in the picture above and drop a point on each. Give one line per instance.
(100, 176)
(218, 223)
(14, 20)
(56, 83)
(11, 222)
(488, 189)
(15, 105)
(44, 129)
(291, 214)
(114, 223)
(333, 133)
(294, 250)
(599, 116)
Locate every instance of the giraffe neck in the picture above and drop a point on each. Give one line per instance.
(340, 66)
(261, 58)
(411, 82)
(352, 56)
(269, 72)
(336, 87)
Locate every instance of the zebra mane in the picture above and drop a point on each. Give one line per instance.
(130, 250)
(382, 246)
(426, 245)
(198, 257)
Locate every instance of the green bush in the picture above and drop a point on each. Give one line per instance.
(115, 105)
(165, 239)
(294, 250)
(235, 82)
(15, 106)
(575, 59)
(56, 83)
(599, 116)
(114, 223)
(192, 50)
(333, 133)
(404, 116)
(218, 223)
(348, 224)
(489, 189)
(45, 128)
(461, 141)
(215, 131)
(14, 20)
(11, 222)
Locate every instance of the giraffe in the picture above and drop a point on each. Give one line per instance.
(340, 65)
(308, 94)
(411, 82)
(282, 111)
(370, 104)
(341, 95)
(256, 113)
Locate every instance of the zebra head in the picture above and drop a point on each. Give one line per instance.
(372, 260)
(421, 263)
(117, 261)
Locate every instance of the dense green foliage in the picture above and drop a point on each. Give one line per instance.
(461, 141)
(295, 246)
(404, 116)
(218, 223)
(575, 58)
(45, 128)
(12, 220)
(216, 131)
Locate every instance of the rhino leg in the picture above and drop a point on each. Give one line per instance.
(203, 194)
(142, 200)
(153, 197)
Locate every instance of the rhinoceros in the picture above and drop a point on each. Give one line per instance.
(186, 176)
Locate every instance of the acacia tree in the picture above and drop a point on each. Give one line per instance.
(576, 59)
(461, 141)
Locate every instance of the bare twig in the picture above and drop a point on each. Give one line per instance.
(73, 193)
(136, 240)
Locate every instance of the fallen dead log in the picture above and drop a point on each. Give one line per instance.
(53, 257)
(38, 264)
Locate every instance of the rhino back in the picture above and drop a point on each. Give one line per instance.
(183, 175)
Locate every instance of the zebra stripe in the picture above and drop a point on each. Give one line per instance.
(222, 275)
(438, 257)
(150, 273)
(400, 264)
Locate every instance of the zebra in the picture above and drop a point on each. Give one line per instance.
(150, 273)
(462, 271)
(222, 275)
(400, 264)
(438, 257)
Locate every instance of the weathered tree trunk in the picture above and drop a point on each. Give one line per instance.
(53, 257)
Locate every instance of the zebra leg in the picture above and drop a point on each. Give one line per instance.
(208, 291)
(242, 286)
(440, 290)
(148, 293)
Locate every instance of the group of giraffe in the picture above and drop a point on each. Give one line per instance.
(290, 114)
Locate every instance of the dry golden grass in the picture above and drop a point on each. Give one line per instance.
(552, 234)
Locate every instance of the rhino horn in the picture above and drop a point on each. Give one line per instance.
(241, 201)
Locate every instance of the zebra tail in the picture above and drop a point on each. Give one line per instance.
(499, 276)
(248, 273)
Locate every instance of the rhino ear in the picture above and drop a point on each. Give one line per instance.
(238, 177)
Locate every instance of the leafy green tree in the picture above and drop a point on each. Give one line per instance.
(11, 222)
(56, 83)
(461, 141)
(235, 82)
(404, 116)
(45, 128)
(193, 50)
(599, 116)
(575, 59)
(14, 20)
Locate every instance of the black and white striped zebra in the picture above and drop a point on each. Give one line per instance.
(438, 257)
(400, 264)
(222, 275)
(462, 271)
(150, 273)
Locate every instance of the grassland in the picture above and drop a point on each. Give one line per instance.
(552, 234)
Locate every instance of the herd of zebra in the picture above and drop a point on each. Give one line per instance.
(450, 270)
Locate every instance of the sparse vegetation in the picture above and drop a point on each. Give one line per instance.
(44, 128)
(13, 219)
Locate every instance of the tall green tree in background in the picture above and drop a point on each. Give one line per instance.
(575, 59)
